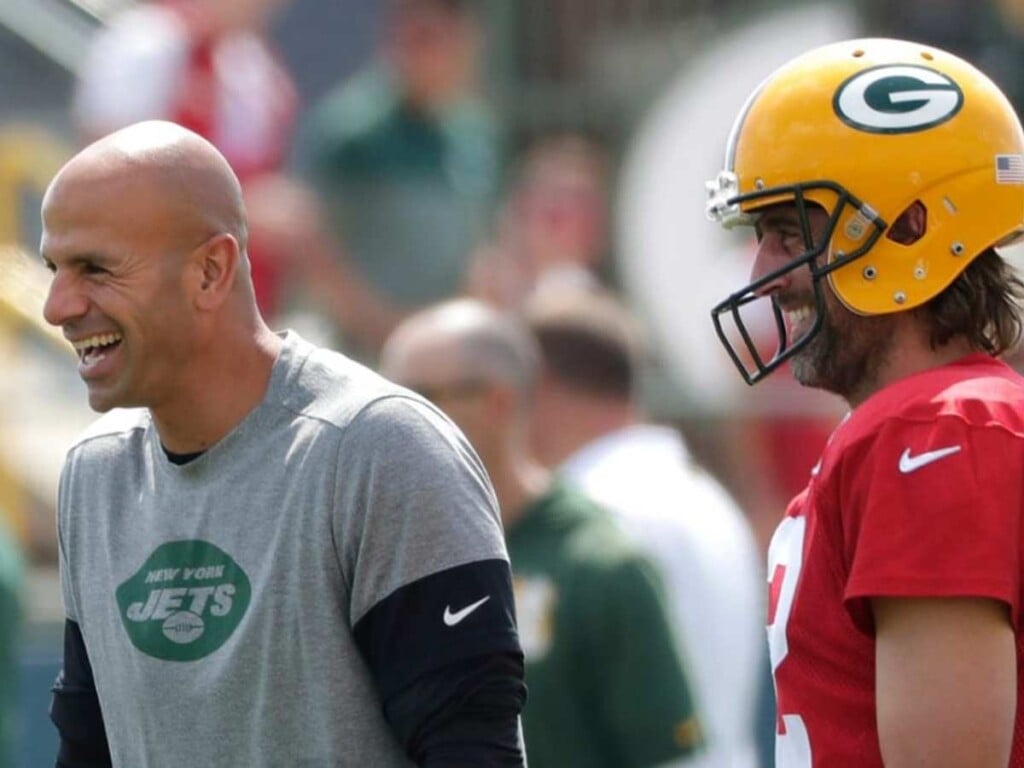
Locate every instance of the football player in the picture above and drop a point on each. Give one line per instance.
(881, 178)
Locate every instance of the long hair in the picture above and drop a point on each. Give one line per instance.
(981, 304)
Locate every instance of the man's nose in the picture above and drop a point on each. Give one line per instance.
(770, 256)
(64, 302)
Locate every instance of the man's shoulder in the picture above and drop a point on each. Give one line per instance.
(957, 403)
(115, 425)
(328, 387)
(977, 390)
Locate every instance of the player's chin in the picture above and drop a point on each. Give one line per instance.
(806, 367)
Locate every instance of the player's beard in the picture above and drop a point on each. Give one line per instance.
(847, 354)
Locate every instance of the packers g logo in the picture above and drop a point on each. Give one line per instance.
(897, 98)
(184, 602)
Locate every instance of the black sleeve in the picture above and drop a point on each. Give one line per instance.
(466, 713)
(459, 613)
(445, 655)
(75, 708)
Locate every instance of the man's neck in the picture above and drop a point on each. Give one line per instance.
(233, 383)
(910, 353)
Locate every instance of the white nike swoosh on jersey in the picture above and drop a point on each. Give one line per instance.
(451, 619)
(910, 463)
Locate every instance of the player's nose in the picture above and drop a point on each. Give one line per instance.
(769, 269)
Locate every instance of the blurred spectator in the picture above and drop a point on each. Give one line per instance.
(207, 65)
(553, 224)
(406, 159)
(606, 686)
(588, 424)
(10, 621)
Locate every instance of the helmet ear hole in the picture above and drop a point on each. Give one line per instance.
(910, 225)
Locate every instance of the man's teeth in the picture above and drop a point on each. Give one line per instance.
(798, 316)
(93, 344)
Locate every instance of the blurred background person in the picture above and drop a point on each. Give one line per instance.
(553, 223)
(406, 158)
(589, 426)
(209, 66)
(606, 685)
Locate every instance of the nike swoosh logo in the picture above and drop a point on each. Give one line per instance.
(451, 619)
(910, 463)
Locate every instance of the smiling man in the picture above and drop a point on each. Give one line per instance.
(881, 177)
(269, 555)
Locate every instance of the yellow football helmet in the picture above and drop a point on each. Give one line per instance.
(864, 129)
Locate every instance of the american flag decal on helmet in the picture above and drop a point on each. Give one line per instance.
(1009, 169)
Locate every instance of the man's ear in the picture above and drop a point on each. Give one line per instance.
(213, 266)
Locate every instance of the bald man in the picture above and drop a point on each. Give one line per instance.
(269, 555)
(607, 688)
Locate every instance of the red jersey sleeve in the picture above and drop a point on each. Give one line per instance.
(934, 510)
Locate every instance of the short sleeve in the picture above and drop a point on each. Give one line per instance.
(644, 692)
(933, 510)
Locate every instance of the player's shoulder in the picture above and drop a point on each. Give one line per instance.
(975, 392)
(974, 386)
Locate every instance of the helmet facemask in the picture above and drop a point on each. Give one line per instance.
(731, 209)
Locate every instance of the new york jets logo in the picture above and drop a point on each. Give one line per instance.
(185, 601)
(897, 99)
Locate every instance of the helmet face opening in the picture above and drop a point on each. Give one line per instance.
(744, 339)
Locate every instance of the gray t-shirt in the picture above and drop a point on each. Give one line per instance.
(231, 607)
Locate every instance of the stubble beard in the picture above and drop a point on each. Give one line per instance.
(847, 354)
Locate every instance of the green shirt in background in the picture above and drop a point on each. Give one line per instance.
(606, 685)
(407, 193)
(11, 570)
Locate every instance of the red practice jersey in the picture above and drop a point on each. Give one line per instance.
(919, 492)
